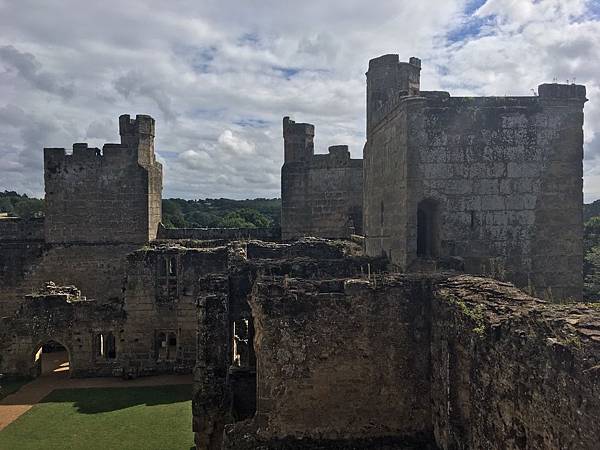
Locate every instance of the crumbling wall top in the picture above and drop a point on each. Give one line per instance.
(50, 290)
(142, 124)
(290, 127)
(562, 91)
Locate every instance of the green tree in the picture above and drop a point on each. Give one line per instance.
(591, 260)
(29, 207)
(6, 205)
(254, 217)
(235, 220)
(172, 217)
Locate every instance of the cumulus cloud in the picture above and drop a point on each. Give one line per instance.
(218, 76)
(135, 84)
(235, 144)
(26, 66)
(196, 159)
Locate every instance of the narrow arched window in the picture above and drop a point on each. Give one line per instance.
(427, 228)
(110, 345)
(172, 347)
(172, 267)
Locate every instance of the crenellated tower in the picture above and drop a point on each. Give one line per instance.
(104, 196)
(298, 141)
(321, 194)
(138, 134)
(389, 79)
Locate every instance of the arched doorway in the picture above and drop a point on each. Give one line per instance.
(428, 228)
(51, 358)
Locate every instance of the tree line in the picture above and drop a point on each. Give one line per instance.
(177, 212)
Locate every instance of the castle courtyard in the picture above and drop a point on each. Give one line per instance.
(341, 225)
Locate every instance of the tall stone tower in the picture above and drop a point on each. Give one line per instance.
(388, 79)
(321, 194)
(108, 196)
(493, 184)
(298, 152)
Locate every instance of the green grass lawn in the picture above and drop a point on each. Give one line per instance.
(8, 387)
(144, 418)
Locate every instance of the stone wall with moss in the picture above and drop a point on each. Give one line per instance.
(419, 361)
(511, 371)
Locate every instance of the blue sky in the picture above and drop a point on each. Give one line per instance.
(218, 76)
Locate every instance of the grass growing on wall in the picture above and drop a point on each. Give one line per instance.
(143, 418)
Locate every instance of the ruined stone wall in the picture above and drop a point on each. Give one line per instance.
(225, 374)
(338, 360)
(155, 301)
(210, 404)
(321, 194)
(503, 177)
(107, 196)
(512, 372)
(219, 233)
(15, 229)
(419, 361)
(98, 270)
(58, 314)
(160, 297)
(21, 243)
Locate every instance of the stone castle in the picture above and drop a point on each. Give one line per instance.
(492, 183)
(362, 324)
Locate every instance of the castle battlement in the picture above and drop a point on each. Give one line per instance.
(388, 79)
(137, 145)
(572, 94)
(321, 194)
(291, 128)
(108, 195)
(562, 91)
(493, 181)
(298, 140)
(82, 154)
(142, 124)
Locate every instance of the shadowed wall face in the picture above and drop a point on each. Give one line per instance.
(361, 370)
(321, 194)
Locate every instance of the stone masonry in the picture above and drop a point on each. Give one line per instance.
(108, 196)
(321, 195)
(346, 356)
(100, 206)
(493, 182)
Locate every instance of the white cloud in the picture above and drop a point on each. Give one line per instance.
(235, 144)
(218, 76)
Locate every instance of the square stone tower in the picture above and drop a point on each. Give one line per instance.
(108, 196)
(321, 194)
(492, 183)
